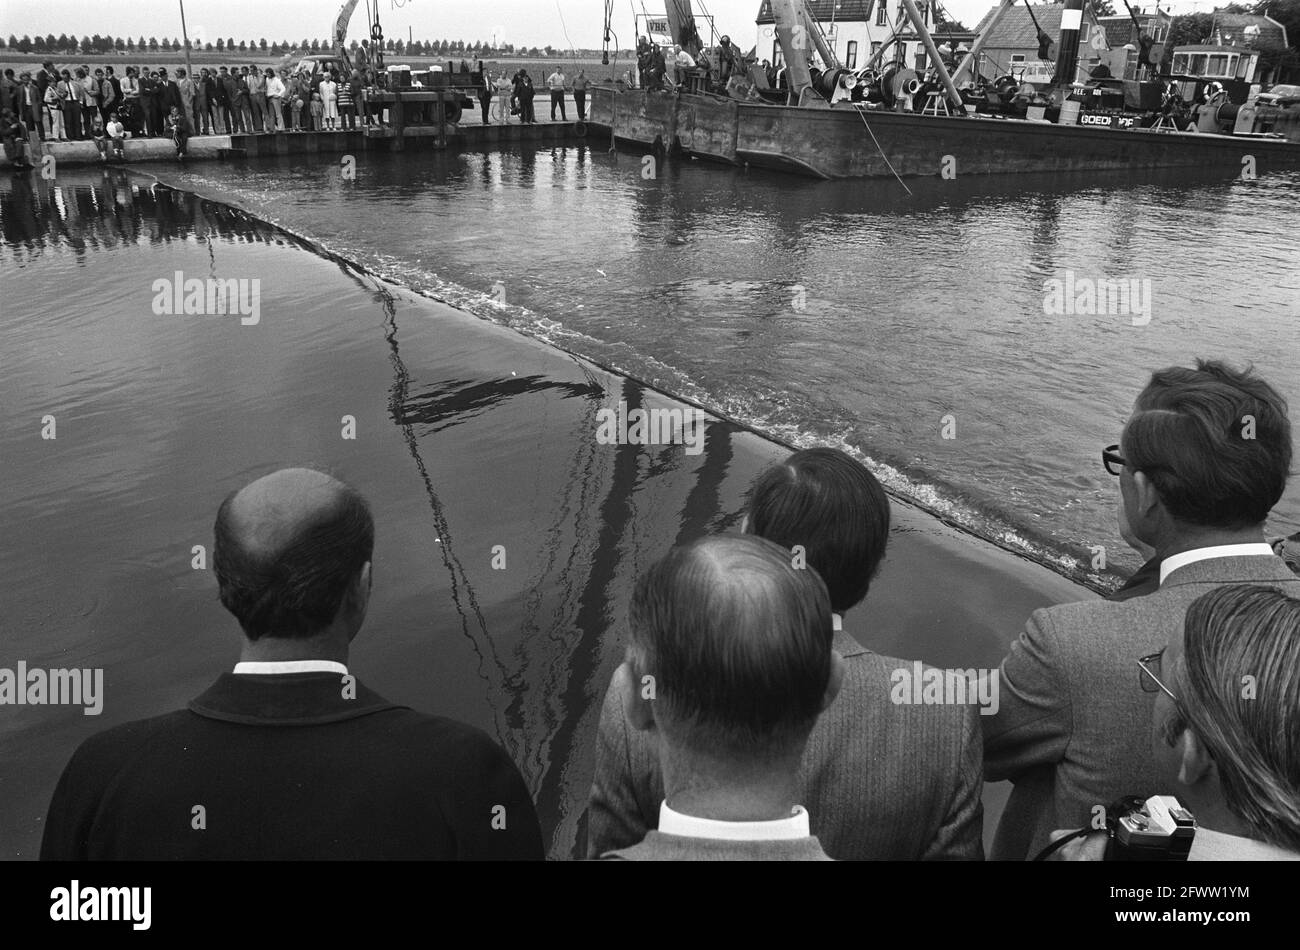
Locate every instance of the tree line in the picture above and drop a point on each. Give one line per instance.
(66, 44)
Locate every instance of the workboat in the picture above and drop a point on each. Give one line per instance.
(814, 127)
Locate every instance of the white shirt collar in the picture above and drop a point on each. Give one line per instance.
(266, 668)
(688, 826)
(1175, 561)
(837, 622)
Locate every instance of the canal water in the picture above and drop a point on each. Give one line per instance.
(908, 323)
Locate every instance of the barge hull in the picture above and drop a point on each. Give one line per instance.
(846, 142)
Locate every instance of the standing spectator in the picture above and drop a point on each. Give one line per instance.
(226, 101)
(297, 755)
(580, 94)
(525, 92)
(257, 99)
(169, 98)
(242, 102)
(727, 56)
(317, 109)
(54, 112)
(347, 102)
(557, 81)
(149, 104)
(658, 69)
(106, 97)
(1067, 730)
(329, 95)
(208, 102)
(310, 87)
(89, 98)
(296, 101)
(130, 100)
(30, 103)
(189, 90)
(46, 76)
(370, 109)
(274, 102)
(739, 646)
(643, 54)
(484, 92)
(500, 110)
(70, 102)
(117, 90)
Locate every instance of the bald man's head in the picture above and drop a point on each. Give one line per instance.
(738, 641)
(288, 549)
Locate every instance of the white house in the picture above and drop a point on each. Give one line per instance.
(855, 29)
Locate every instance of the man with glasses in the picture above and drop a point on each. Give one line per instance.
(1204, 457)
(1225, 693)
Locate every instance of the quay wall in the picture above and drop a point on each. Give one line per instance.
(226, 147)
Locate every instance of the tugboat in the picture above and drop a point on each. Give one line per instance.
(926, 125)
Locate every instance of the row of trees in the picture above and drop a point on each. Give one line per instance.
(108, 44)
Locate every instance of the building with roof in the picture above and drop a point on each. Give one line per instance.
(1249, 29)
(1012, 44)
(1121, 32)
(855, 29)
(1242, 47)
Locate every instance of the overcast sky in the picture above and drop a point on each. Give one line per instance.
(522, 22)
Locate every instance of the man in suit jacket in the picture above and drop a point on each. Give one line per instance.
(881, 780)
(1225, 690)
(728, 666)
(226, 102)
(169, 94)
(1203, 458)
(288, 756)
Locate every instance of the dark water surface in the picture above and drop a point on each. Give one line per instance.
(913, 308)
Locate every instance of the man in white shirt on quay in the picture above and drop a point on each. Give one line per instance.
(556, 81)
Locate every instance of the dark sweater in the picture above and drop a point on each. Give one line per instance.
(289, 767)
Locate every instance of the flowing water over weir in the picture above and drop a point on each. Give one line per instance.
(847, 312)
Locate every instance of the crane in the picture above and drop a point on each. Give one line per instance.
(340, 34)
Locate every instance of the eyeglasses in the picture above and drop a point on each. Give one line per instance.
(1113, 461)
(1149, 678)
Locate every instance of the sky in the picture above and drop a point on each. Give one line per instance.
(559, 23)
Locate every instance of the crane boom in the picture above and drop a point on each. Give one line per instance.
(341, 23)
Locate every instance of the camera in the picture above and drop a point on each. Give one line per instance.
(1158, 829)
